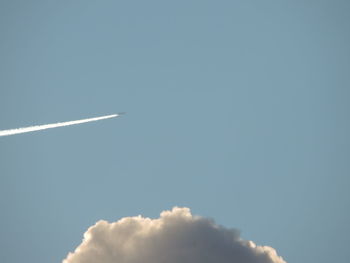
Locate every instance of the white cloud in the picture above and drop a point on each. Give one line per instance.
(177, 236)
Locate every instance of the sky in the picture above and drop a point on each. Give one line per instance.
(237, 110)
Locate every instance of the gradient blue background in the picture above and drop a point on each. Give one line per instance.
(236, 109)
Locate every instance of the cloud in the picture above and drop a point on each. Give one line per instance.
(177, 236)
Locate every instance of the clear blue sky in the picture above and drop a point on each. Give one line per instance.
(236, 109)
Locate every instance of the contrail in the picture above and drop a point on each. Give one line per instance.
(54, 125)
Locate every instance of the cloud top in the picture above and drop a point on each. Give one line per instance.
(177, 236)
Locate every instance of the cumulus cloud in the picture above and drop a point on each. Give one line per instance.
(177, 236)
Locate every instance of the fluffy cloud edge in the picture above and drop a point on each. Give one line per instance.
(166, 239)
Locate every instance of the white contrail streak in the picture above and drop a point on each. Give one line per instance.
(53, 125)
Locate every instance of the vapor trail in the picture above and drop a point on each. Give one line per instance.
(53, 125)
